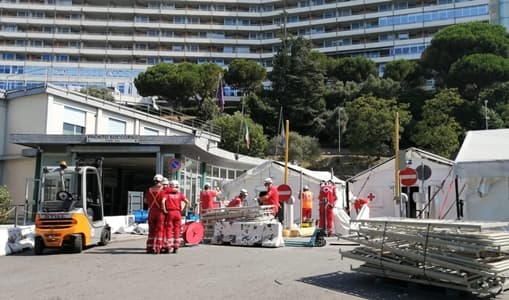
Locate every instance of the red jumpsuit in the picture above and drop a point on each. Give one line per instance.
(236, 202)
(173, 205)
(153, 197)
(272, 199)
(327, 198)
(207, 200)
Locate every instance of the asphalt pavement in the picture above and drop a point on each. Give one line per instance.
(122, 270)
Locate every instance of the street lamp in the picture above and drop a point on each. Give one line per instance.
(486, 118)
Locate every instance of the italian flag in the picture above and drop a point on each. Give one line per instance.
(248, 141)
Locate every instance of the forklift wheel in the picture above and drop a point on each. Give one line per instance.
(78, 243)
(105, 237)
(38, 245)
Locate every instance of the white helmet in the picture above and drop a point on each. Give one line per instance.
(243, 192)
(267, 180)
(206, 184)
(166, 181)
(174, 183)
(158, 177)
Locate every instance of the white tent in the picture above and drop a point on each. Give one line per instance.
(377, 186)
(483, 162)
(298, 177)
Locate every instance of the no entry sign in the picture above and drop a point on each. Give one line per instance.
(285, 192)
(408, 177)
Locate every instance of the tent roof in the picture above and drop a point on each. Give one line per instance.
(319, 175)
(413, 152)
(484, 153)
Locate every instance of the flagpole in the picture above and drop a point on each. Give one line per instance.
(279, 122)
(240, 128)
(397, 187)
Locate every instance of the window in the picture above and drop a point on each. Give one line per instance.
(150, 131)
(61, 58)
(141, 19)
(74, 121)
(139, 46)
(46, 57)
(10, 27)
(116, 126)
(37, 43)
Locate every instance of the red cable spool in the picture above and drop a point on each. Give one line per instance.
(193, 233)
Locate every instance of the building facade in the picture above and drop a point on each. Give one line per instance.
(42, 126)
(76, 43)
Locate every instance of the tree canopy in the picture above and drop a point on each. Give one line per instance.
(371, 124)
(298, 84)
(355, 69)
(98, 92)
(245, 75)
(477, 71)
(399, 70)
(180, 84)
(454, 42)
(233, 135)
(300, 147)
(439, 131)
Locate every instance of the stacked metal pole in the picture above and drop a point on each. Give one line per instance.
(469, 256)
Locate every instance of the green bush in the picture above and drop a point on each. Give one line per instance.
(5, 204)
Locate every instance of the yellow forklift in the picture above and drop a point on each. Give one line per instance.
(70, 212)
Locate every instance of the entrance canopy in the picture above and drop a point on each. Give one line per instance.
(484, 153)
(192, 146)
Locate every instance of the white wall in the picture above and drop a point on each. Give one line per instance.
(15, 173)
(380, 183)
(487, 199)
(26, 115)
(56, 115)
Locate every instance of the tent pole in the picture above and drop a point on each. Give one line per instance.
(458, 208)
(347, 193)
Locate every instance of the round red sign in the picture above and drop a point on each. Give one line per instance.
(408, 177)
(285, 192)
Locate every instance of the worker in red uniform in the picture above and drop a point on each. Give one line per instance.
(172, 208)
(207, 197)
(152, 199)
(359, 203)
(237, 201)
(327, 199)
(307, 203)
(272, 196)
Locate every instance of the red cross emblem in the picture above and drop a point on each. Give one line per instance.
(371, 197)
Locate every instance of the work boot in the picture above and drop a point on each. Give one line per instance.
(174, 251)
(165, 250)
